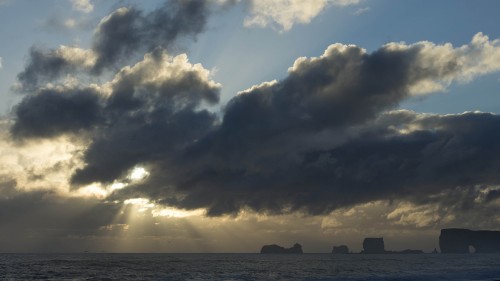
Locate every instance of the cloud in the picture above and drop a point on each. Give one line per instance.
(57, 24)
(408, 159)
(84, 6)
(154, 104)
(70, 23)
(1, 61)
(323, 138)
(50, 65)
(116, 39)
(451, 64)
(54, 111)
(361, 11)
(283, 14)
(160, 28)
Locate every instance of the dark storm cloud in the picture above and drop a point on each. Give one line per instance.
(303, 143)
(149, 122)
(320, 139)
(128, 29)
(118, 37)
(43, 65)
(151, 114)
(55, 111)
(380, 163)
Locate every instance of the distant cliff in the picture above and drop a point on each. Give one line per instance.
(458, 240)
(275, 249)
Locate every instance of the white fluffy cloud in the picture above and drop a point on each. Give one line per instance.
(77, 56)
(283, 14)
(432, 67)
(84, 6)
(159, 68)
(1, 65)
(481, 56)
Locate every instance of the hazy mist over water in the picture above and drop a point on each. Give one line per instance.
(248, 267)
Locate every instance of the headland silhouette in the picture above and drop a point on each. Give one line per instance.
(462, 241)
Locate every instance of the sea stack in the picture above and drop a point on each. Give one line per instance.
(342, 249)
(373, 246)
(276, 249)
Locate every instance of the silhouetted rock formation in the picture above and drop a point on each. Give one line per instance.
(275, 249)
(342, 249)
(376, 246)
(457, 241)
(373, 246)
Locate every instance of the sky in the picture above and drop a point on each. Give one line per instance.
(224, 125)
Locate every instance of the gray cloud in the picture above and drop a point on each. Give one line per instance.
(84, 6)
(56, 111)
(379, 163)
(321, 139)
(127, 29)
(117, 37)
(152, 111)
(47, 65)
(58, 24)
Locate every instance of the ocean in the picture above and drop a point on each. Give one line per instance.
(88, 266)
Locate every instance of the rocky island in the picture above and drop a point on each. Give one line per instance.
(342, 249)
(276, 249)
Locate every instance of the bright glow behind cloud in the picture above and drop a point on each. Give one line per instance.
(142, 205)
(138, 173)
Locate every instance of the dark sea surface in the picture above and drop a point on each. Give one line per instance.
(248, 267)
